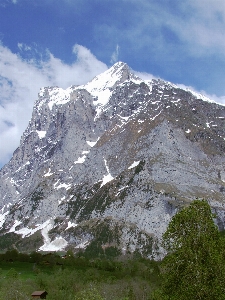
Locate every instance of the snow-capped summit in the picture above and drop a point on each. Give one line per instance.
(118, 153)
(118, 73)
(102, 85)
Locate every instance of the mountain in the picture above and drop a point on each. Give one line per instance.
(107, 164)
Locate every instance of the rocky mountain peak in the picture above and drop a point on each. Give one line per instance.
(119, 155)
(122, 71)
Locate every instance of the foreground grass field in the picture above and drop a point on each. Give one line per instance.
(78, 278)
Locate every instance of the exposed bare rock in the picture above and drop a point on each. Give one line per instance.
(120, 154)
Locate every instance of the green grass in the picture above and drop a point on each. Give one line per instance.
(26, 270)
(111, 279)
(80, 276)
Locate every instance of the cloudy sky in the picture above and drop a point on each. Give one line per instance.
(64, 42)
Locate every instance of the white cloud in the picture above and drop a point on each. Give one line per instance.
(24, 47)
(144, 75)
(20, 81)
(198, 24)
(115, 55)
(203, 30)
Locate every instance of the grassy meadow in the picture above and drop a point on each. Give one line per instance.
(77, 277)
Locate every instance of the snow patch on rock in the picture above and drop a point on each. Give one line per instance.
(92, 144)
(107, 177)
(70, 224)
(48, 173)
(41, 134)
(83, 245)
(59, 96)
(58, 244)
(13, 228)
(134, 164)
(80, 160)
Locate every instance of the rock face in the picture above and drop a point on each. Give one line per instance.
(111, 161)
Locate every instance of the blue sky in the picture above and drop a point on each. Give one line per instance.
(64, 42)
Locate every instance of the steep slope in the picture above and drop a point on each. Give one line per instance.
(111, 161)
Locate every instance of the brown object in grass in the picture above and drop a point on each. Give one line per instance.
(39, 295)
